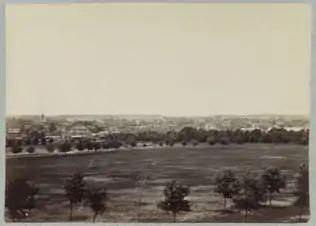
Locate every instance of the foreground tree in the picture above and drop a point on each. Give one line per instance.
(141, 183)
(75, 190)
(249, 197)
(302, 190)
(20, 196)
(175, 201)
(97, 199)
(272, 180)
(227, 185)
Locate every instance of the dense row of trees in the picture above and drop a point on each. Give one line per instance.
(186, 136)
(189, 134)
(247, 193)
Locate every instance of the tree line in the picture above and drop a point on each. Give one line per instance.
(247, 193)
(186, 136)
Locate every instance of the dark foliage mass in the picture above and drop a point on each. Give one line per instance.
(272, 180)
(97, 200)
(30, 149)
(187, 135)
(20, 197)
(175, 201)
(75, 190)
(250, 195)
(227, 185)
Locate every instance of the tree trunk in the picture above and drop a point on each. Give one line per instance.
(70, 212)
(225, 202)
(138, 210)
(245, 216)
(94, 216)
(139, 202)
(270, 198)
(174, 217)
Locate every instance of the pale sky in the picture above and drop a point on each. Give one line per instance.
(169, 59)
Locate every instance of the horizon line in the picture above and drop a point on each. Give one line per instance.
(159, 115)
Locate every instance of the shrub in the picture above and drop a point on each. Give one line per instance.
(16, 149)
(30, 149)
(50, 147)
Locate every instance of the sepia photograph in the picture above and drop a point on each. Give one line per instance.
(157, 113)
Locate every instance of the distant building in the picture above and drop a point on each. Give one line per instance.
(54, 137)
(14, 133)
(296, 128)
(77, 131)
(102, 133)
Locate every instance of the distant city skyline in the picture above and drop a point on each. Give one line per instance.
(181, 60)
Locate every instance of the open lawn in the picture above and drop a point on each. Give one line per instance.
(194, 166)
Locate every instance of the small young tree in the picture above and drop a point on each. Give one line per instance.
(171, 143)
(20, 196)
(43, 141)
(302, 189)
(97, 200)
(141, 183)
(80, 146)
(75, 190)
(195, 142)
(96, 146)
(211, 141)
(272, 180)
(16, 149)
(249, 196)
(89, 145)
(175, 201)
(30, 149)
(50, 147)
(224, 141)
(65, 147)
(133, 144)
(227, 185)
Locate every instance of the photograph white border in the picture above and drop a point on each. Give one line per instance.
(312, 123)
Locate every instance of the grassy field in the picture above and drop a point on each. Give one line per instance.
(194, 166)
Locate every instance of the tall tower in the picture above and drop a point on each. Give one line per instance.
(43, 117)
